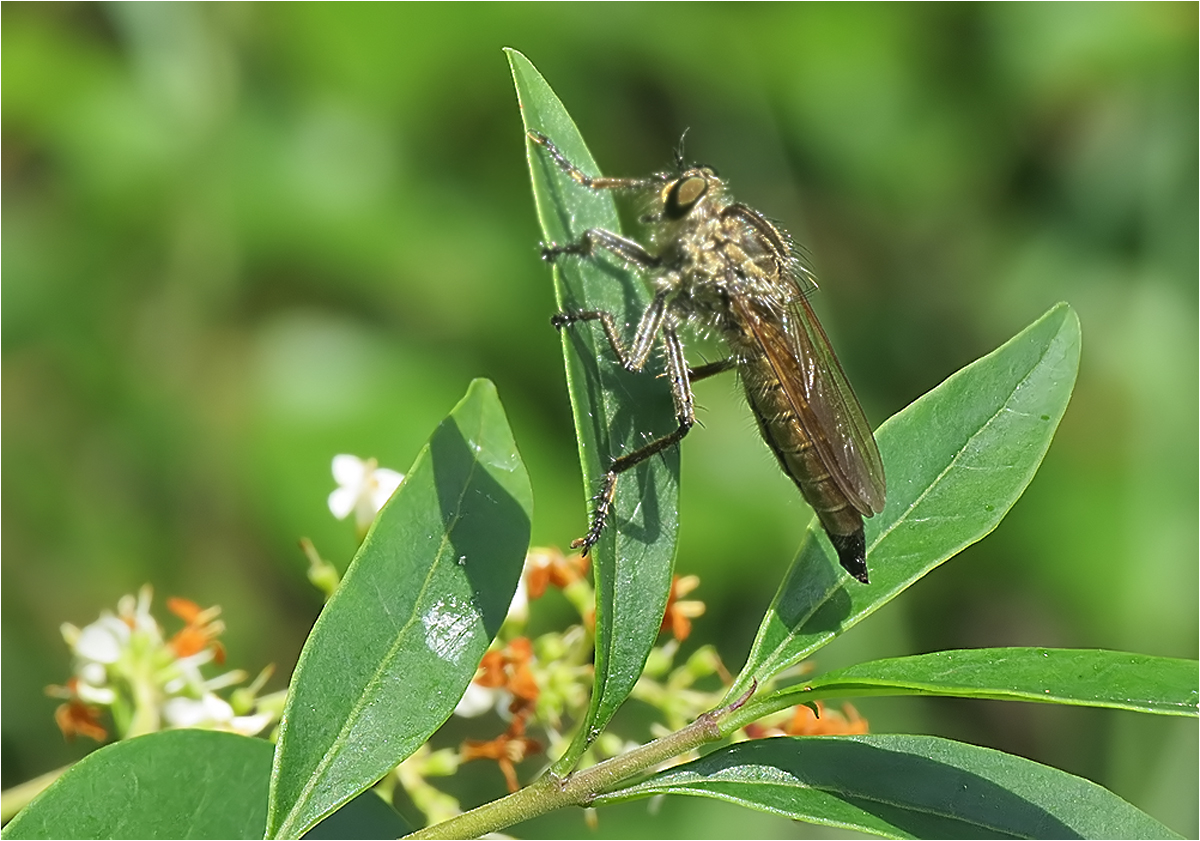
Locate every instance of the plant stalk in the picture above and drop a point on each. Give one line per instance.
(579, 789)
(17, 798)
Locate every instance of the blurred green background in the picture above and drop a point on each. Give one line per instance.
(239, 239)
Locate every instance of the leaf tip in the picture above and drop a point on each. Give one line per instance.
(483, 386)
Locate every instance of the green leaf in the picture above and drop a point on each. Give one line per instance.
(1111, 679)
(904, 787)
(173, 784)
(957, 460)
(398, 643)
(366, 816)
(615, 410)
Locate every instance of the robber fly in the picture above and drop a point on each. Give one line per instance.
(718, 265)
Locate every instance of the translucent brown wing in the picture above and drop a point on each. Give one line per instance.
(820, 395)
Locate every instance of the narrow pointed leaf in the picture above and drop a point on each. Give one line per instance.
(1113, 679)
(904, 787)
(174, 784)
(957, 460)
(615, 412)
(398, 643)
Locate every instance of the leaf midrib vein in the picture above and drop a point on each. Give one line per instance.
(360, 706)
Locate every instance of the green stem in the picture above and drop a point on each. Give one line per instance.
(146, 703)
(763, 707)
(580, 788)
(17, 798)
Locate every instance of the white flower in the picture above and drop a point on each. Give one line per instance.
(109, 642)
(136, 612)
(187, 676)
(123, 661)
(479, 699)
(518, 608)
(363, 487)
(476, 701)
(102, 641)
(92, 685)
(93, 675)
(212, 712)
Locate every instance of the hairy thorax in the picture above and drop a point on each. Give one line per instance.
(715, 257)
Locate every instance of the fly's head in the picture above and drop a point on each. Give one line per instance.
(688, 192)
(685, 197)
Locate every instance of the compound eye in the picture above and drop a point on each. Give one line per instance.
(683, 195)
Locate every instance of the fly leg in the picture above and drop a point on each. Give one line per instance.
(685, 416)
(579, 177)
(711, 369)
(632, 358)
(628, 250)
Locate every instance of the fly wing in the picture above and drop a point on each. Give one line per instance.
(821, 397)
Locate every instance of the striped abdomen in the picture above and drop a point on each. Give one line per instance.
(799, 458)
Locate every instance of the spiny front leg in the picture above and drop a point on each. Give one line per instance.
(580, 177)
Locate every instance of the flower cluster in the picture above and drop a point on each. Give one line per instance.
(125, 663)
(543, 680)
(541, 684)
(537, 687)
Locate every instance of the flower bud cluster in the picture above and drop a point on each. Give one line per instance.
(541, 685)
(125, 663)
